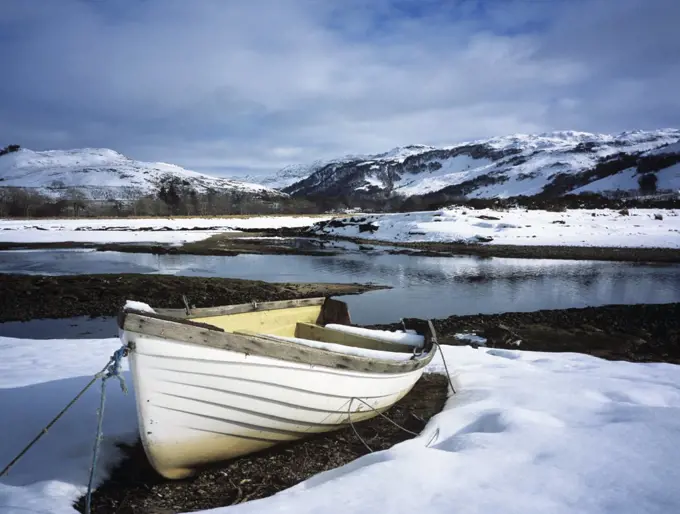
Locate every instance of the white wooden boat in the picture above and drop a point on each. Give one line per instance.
(216, 383)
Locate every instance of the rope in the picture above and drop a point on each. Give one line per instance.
(112, 371)
(57, 417)
(349, 415)
(388, 419)
(349, 407)
(446, 368)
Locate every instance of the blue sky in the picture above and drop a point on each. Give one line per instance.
(236, 87)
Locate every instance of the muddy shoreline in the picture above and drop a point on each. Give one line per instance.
(27, 297)
(636, 333)
(135, 488)
(587, 253)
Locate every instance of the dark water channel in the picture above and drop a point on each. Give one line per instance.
(422, 286)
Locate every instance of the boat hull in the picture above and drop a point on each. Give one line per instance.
(197, 405)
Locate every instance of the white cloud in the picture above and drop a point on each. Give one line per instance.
(253, 86)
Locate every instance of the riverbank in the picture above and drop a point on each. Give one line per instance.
(295, 242)
(635, 235)
(27, 297)
(636, 333)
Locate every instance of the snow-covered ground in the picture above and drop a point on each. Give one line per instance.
(142, 230)
(577, 227)
(526, 433)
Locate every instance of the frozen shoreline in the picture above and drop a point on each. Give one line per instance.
(139, 230)
(539, 431)
(640, 228)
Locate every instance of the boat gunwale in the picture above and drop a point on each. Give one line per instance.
(221, 310)
(202, 334)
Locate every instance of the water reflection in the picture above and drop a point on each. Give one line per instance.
(423, 286)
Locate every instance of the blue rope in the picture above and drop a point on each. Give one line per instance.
(112, 370)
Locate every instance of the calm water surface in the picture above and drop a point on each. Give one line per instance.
(422, 286)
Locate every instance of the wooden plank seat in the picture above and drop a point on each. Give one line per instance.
(327, 335)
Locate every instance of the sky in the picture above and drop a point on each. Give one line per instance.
(239, 88)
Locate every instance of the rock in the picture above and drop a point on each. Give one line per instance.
(485, 217)
(499, 335)
(624, 212)
(658, 217)
(368, 227)
(561, 222)
(483, 239)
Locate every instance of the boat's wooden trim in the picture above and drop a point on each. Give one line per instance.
(318, 333)
(181, 331)
(204, 312)
(123, 314)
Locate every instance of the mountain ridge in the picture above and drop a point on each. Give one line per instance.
(104, 174)
(504, 166)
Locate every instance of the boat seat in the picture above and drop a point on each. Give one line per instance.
(330, 335)
(313, 332)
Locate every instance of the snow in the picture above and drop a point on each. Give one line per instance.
(627, 180)
(527, 432)
(672, 148)
(101, 174)
(453, 171)
(397, 336)
(37, 379)
(519, 164)
(138, 306)
(576, 227)
(138, 230)
(471, 338)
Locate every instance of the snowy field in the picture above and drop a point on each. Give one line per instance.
(578, 227)
(142, 230)
(526, 433)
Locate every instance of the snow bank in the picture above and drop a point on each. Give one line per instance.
(527, 432)
(37, 379)
(141, 230)
(578, 227)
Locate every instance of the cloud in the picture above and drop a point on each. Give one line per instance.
(248, 87)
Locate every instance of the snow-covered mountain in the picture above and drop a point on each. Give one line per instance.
(105, 174)
(551, 164)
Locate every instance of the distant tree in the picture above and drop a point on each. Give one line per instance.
(9, 149)
(170, 196)
(647, 183)
(76, 198)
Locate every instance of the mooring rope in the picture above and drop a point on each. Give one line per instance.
(112, 369)
(446, 368)
(349, 415)
(349, 407)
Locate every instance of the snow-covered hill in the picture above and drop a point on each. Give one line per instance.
(100, 174)
(551, 163)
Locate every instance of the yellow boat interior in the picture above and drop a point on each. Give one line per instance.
(301, 319)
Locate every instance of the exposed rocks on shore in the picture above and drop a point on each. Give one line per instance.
(27, 297)
(638, 333)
